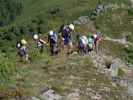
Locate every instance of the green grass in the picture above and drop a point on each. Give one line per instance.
(68, 9)
(115, 23)
(129, 56)
(66, 76)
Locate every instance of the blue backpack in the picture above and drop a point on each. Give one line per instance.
(54, 37)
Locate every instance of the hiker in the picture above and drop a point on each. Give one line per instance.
(97, 39)
(82, 45)
(90, 43)
(66, 38)
(52, 39)
(23, 50)
(40, 42)
(18, 45)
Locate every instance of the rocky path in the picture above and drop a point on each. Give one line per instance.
(110, 66)
(122, 41)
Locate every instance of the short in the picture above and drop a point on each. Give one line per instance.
(70, 44)
(67, 41)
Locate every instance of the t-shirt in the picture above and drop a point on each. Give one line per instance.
(90, 42)
(23, 50)
(53, 38)
(66, 33)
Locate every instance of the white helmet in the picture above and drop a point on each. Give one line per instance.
(51, 32)
(95, 36)
(23, 41)
(71, 26)
(36, 37)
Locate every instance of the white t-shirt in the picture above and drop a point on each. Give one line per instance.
(85, 40)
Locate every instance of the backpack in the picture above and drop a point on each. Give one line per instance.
(23, 51)
(53, 37)
(90, 42)
(65, 32)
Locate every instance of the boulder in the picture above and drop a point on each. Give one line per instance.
(131, 2)
(116, 63)
(34, 98)
(50, 95)
(75, 95)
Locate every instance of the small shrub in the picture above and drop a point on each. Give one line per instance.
(121, 73)
(129, 56)
(7, 69)
(130, 12)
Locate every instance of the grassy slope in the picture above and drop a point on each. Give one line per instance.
(70, 8)
(72, 73)
(116, 22)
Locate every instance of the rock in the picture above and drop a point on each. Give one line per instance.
(114, 67)
(130, 87)
(113, 84)
(131, 2)
(122, 41)
(82, 20)
(90, 90)
(74, 95)
(107, 89)
(50, 95)
(94, 79)
(99, 9)
(77, 22)
(123, 83)
(130, 73)
(96, 97)
(34, 98)
(74, 53)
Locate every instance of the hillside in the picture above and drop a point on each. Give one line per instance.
(75, 77)
(8, 12)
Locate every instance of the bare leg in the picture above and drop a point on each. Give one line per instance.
(70, 47)
(26, 57)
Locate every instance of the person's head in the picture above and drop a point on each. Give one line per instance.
(94, 36)
(35, 36)
(23, 42)
(18, 44)
(71, 27)
(51, 32)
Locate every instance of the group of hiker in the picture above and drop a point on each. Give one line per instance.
(61, 42)
(88, 43)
